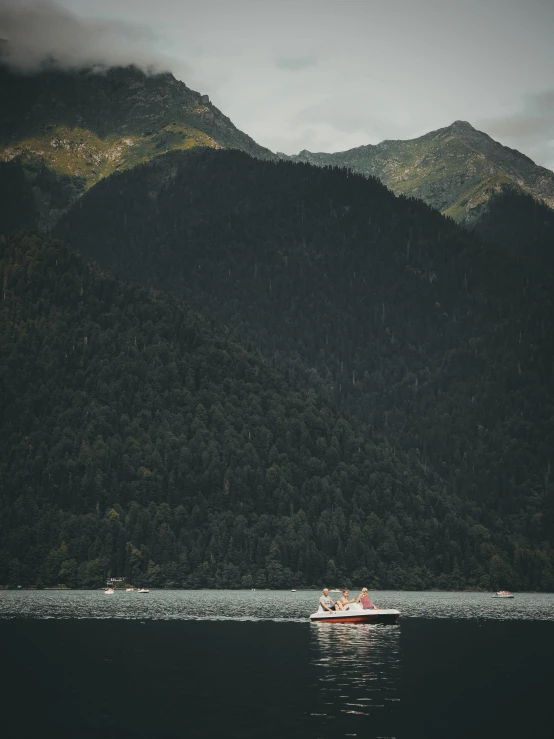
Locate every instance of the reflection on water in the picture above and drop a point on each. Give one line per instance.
(109, 678)
(358, 671)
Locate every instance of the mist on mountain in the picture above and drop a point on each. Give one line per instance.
(387, 372)
(66, 129)
(39, 34)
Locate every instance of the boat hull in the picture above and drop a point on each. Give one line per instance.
(358, 616)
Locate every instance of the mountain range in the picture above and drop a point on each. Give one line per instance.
(285, 374)
(457, 170)
(63, 131)
(403, 320)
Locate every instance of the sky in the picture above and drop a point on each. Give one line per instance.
(324, 75)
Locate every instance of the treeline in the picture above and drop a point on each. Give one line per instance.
(427, 335)
(519, 222)
(140, 439)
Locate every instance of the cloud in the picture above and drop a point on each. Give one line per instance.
(531, 128)
(319, 137)
(34, 32)
(350, 117)
(295, 63)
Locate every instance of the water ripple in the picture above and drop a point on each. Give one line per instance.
(261, 605)
(355, 666)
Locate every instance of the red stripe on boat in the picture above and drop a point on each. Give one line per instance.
(346, 620)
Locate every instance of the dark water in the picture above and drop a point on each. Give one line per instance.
(82, 664)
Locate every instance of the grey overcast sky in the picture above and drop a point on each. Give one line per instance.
(328, 75)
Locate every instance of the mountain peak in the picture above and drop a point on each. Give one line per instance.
(462, 126)
(457, 169)
(79, 126)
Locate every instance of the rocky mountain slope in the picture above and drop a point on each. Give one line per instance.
(457, 170)
(68, 130)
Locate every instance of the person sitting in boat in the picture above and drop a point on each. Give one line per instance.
(343, 601)
(365, 600)
(325, 603)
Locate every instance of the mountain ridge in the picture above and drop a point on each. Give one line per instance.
(69, 129)
(456, 169)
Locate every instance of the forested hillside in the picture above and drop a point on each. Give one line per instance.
(430, 337)
(518, 222)
(18, 211)
(64, 130)
(141, 439)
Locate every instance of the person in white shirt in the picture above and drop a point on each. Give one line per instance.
(325, 601)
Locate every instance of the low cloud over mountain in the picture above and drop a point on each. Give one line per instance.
(532, 126)
(35, 32)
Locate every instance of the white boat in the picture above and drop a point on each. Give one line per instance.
(109, 591)
(293, 590)
(142, 590)
(355, 614)
(503, 594)
(129, 590)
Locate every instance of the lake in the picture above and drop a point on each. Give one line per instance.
(246, 665)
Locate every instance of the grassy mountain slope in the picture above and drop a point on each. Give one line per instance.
(68, 130)
(456, 170)
(432, 338)
(141, 439)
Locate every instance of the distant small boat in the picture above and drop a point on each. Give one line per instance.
(503, 594)
(109, 591)
(293, 590)
(142, 590)
(129, 590)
